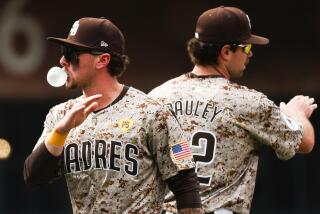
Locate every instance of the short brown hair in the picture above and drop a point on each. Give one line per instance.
(118, 64)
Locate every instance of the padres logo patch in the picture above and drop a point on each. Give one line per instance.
(125, 124)
(74, 28)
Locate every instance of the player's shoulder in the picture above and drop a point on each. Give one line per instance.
(151, 106)
(143, 99)
(167, 86)
(248, 99)
(245, 92)
(134, 92)
(137, 96)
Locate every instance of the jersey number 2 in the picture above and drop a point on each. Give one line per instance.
(206, 142)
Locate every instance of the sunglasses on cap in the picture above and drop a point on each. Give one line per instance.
(246, 48)
(71, 54)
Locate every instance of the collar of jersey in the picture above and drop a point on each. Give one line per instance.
(121, 95)
(193, 75)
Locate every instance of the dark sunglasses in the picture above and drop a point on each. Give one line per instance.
(71, 54)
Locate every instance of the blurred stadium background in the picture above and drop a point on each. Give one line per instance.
(156, 34)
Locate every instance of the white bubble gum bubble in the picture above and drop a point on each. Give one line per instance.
(56, 76)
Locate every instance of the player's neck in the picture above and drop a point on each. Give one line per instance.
(210, 70)
(109, 88)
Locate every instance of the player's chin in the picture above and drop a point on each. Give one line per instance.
(70, 84)
(237, 74)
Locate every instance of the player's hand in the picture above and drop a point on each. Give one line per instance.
(301, 106)
(77, 114)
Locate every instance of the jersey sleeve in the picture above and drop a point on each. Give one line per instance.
(267, 125)
(49, 123)
(41, 167)
(168, 144)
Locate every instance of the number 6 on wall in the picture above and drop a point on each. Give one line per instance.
(11, 23)
(206, 142)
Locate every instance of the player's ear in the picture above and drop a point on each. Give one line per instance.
(103, 60)
(225, 52)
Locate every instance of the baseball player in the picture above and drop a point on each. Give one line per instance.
(226, 122)
(116, 147)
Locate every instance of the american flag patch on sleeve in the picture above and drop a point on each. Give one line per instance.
(181, 151)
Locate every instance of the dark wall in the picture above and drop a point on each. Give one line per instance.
(21, 124)
(156, 34)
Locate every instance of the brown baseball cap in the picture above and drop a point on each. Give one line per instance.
(226, 25)
(94, 33)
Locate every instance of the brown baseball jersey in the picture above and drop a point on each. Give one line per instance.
(116, 161)
(226, 123)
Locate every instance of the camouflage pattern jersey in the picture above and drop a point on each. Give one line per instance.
(116, 161)
(226, 123)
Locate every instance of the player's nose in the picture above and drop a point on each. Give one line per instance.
(63, 62)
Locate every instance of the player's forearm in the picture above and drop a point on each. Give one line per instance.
(190, 211)
(185, 186)
(308, 137)
(40, 167)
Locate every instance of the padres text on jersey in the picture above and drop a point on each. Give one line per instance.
(116, 161)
